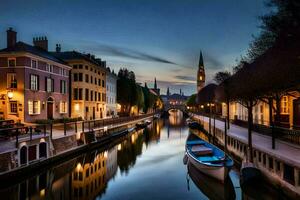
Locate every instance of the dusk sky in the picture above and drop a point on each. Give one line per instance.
(153, 38)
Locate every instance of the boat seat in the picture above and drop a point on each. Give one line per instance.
(208, 158)
(200, 150)
(195, 142)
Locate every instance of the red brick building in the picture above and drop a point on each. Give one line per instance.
(34, 84)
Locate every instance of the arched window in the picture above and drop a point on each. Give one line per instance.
(23, 155)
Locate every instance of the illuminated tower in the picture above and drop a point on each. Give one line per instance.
(200, 74)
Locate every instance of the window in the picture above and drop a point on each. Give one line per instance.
(13, 107)
(75, 66)
(75, 97)
(80, 94)
(103, 96)
(34, 82)
(33, 64)
(103, 85)
(49, 68)
(75, 77)
(63, 107)
(77, 94)
(86, 78)
(11, 80)
(92, 96)
(95, 81)
(49, 85)
(80, 77)
(63, 87)
(86, 94)
(99, 96)
(79, 66)
(11, 62)
(99, 82)
(91, 79)
(284, 105)
(33, 107)
(87, 67)
(96, 96)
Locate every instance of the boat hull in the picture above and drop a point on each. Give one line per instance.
(219, 173)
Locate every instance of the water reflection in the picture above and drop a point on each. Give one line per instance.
(145, 165)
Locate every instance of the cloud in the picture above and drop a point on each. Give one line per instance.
(186, 78)
(126, 53)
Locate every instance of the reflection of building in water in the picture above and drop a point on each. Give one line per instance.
(88, 178)
(176, 117)
(111, 163)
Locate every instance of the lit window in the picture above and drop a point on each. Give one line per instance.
(284, 105)
(200, 78)
(11, 62)
(63, 107)
(11, 80)
(34, 82)
(13, 107)
(34, 107)
(33, 64)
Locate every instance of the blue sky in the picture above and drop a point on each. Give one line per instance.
(154, 38)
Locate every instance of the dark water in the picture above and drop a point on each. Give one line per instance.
(146, 165)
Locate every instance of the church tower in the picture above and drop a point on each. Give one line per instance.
(200, 74)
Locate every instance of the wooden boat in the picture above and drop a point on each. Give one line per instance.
(208, 158)
(212, 188)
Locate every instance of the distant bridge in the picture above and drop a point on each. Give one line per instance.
(181, 107)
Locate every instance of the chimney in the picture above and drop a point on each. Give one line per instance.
(41, 42)
(11, 38)
(58, 48)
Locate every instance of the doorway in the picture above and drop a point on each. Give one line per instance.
(50, 108)
(296, 106)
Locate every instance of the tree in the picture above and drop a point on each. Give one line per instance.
(192, 100)
(127, 94)
(221, 76)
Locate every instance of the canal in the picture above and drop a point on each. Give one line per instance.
(146, 164)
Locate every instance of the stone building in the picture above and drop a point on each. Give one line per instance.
(34, 83)
(200, 74)
(88, 84)
(111, 93)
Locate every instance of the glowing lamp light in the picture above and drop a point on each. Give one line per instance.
(202, 106)
(78, 167)
(208, 104)
(119, 147)
(76, 107)
(105, 154)
(42, 193)
(10, 94)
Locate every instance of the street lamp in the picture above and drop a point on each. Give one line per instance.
(10, 95)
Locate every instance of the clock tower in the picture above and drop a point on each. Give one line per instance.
(200, 74)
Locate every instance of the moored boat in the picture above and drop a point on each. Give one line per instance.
(212, 188)
(208, 158)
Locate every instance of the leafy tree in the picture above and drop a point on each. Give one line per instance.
(221, 76)
(192, 100)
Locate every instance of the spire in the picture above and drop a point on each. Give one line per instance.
(201, 64)
(168, 92)
(155, 84)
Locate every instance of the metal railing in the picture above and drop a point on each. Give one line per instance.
(67, 128)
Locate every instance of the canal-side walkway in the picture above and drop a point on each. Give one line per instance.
(283, 150)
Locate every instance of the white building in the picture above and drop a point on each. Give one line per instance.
(111, 94)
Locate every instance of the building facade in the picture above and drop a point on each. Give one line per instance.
(111, 94)
(289, 111)
(88, 84)
(34, 83)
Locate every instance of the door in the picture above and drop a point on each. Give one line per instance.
(50, 110)
(296, 105)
